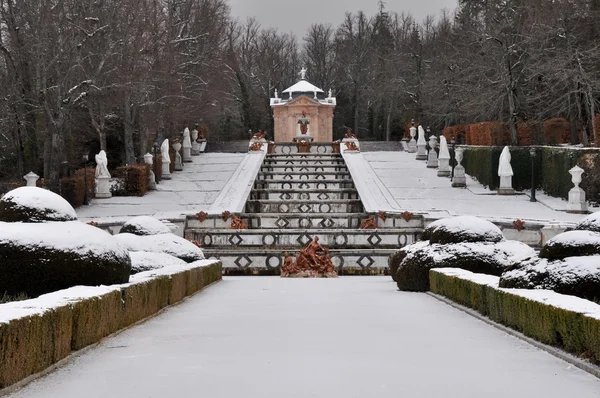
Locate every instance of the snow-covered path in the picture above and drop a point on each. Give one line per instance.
(351, 337)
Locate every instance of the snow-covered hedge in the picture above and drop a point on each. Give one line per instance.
(549, 317)
(32, 204)
(164, 243)
(37, 333)
(590, 223)
(145, 225)
(50, 256)
(572, 243)
(482, 257)
(465, 242)
(146, 261)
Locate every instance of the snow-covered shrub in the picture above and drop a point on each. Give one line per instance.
(426, 235)
(570, 244)
(395, 259)
(590, 223)
(479, 257)
(145, 225)
(147, 261)
(463, 229)
(45, 257)
(32, 204)
(576, 276)
(164, 243)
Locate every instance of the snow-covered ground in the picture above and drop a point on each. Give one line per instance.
(347, 337)
(406, 184)
(192, 190)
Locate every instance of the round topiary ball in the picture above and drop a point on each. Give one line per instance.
(396, 259)
(45, 257)
(590, 223)
(145, 226)
(571, 244)
(32, 204)
(465, 229)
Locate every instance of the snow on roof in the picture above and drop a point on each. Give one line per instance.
(303, 86)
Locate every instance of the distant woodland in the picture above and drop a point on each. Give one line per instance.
(77, 76)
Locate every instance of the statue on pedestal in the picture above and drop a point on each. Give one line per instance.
(312, 262)
(303, 122)
(102, 165)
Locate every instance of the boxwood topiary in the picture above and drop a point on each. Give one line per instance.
(144, 226)
(465, 229)
(32, 204)
(41, 258)
(572, 244)
(590, 223)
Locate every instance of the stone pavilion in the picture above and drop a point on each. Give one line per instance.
(303, 101)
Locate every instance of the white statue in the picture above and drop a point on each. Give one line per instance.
(276, 94)
(421, 145)
(187, 142)
(303, 73)
(444, 158)
(164, 150)
(102, 165)
(504, 168)
(330, 94)
(505, 172)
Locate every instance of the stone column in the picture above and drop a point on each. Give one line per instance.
(577, 203)
(432, 159)
(421, 145)
(32, 178)
(148, 159)
(460, 178)
(444, 159)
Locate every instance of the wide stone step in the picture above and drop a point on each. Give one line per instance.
(300, 176)
(305, 221)
(304, 184)
(303, 162)
(287, 239)
(268, 262)
(304, 206)
(284, 169)
(303, 194)
(304, 156)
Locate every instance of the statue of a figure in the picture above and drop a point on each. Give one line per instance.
(276, 94)
(350, 134)
(102, 165)
(303, 73)
(303, 122)
(330, 94)
(504, 168)
(187, 142)
(164, 150)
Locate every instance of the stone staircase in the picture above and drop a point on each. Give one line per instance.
(296, 197)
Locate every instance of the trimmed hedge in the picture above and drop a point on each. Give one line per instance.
(31, 344)
(572, 331)
(552, 167)
(136, 178)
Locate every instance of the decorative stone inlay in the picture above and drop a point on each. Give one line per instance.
(327, 223)
(338, 261)
(374, 239)
(273, 262)
(304, 185)
(402, 240)
(282, 223)
(269, 240)
(305, 223)
(325, 208)
(207, 240)
(283, 208)
(243, 262)
(286, 185)
(320, 177)
(322, 185)
(323, 196)
(341, 239)
(304, 239)
(304, 208)
(285, 196)
(365, 262)
(235, 240)
(304, 196)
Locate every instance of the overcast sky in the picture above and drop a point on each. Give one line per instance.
(297, 15)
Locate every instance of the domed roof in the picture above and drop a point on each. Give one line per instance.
(303, 86)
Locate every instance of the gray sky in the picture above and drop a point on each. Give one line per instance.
(297, 15)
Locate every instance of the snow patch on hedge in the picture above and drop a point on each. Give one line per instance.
(165, 243)
(573, 238)
(145, 225)
(147, 261)
(53, 206)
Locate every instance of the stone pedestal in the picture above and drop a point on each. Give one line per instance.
(412, 144)
(460, 176)
(178, 163)
(187, 154)
(103, 187)
(148, 159)
(444, 168)
(506, 186)
(195, 148)
(577, 202)
(166, 171)
(432, 159)
(304, 137)
(421, 145)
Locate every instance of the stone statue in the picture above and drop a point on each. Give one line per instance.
(303, 73)
(349, 134)
(276, 94)
(187, 142)
(102, 165)
(330, 94)
(312, 262)
(164, 150)
(504, 168)
(303, 122)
